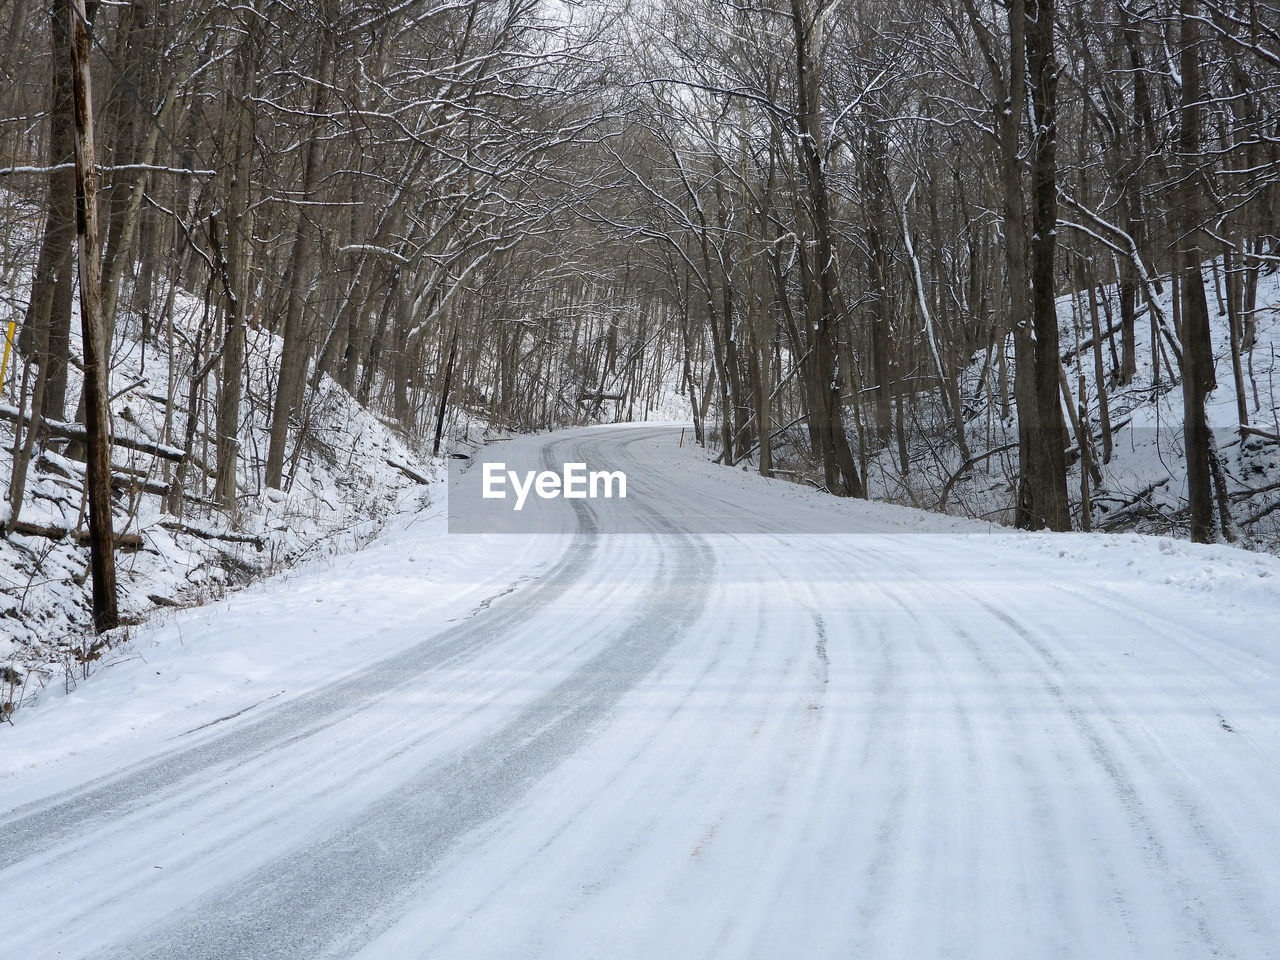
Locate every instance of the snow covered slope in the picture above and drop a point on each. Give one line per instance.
(924, 740)
(343, 486)
(1144, 483)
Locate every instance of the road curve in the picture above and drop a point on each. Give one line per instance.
(714, 738)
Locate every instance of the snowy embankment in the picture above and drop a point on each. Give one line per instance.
(919, 737)
(1143, 483)
(348, 474)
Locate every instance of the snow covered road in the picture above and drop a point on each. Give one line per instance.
(923, 740)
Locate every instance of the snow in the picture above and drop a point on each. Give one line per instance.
(1144, 486)
(928, 738)
(342, 488)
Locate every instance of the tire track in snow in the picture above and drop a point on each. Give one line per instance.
(213, 787)
(1049, 811)
(851, 831)
(244, 812)
(1124, 787)
(330, 897)
(756, 649)
(1041, 858)
(1208, 651)
(1172, 790)
(45, 823)
(930, 781)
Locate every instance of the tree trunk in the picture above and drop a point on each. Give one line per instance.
(293, 358)
(821, 296)
(45, 335)
(96, 348)
(1197, 356)
(1052, 507)
(878, 274)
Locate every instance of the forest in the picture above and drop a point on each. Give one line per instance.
(633, 479)
(994, 258)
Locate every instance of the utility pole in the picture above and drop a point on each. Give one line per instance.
(102, 559)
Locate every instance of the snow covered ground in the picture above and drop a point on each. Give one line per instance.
(926, 739)
(342, 488)
(1143, 486)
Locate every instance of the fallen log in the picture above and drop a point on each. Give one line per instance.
(123, 479)
(177, 526)
(411, 474)
(128, 484)
(1262, 434)
(76, 431)
(123, 541)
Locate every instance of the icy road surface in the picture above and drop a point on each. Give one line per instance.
(921, 741)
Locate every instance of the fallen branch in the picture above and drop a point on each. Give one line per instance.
(123, 541)
(1130, 509)
(178, 526)
(1265, 511)
(1250, 492)
(76, 431)
(968, 465)
(411, 474)
(123, 479)
(1255, 432)
(800, 476)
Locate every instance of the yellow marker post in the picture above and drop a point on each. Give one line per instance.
(8, 344)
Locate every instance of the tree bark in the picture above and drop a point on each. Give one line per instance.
(821, 296)
(293, 359)
(45, 334)
(1197, 356)
(1051, 505)
(96, 351)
